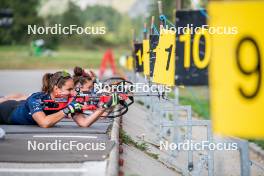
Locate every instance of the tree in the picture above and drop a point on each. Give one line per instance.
(24, 14)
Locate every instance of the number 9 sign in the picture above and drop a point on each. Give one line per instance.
(236, 69)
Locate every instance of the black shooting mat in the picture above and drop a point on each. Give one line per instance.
(61, 127)
(16, 149)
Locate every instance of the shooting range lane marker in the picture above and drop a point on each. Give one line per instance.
(64, 136)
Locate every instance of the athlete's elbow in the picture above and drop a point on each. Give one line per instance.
(45, 125)
(84, 125)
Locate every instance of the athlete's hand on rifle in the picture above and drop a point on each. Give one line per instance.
(72, 108)
(114, 100)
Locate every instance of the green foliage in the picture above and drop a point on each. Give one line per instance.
(118, 26)
(141, 146)
(71, 16)
(126, 138)
(24, 13)
(140, 102)
(186, 4)
(168, 7)
(153, 155)
(109, 16)
(129, 141)
(259, 142)
(170, 117)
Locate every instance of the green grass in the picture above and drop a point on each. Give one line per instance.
(197, 97)
(199, 106)
(140, 102)
(129, 141)
(18, 57)
(141, 146)
(259, 142)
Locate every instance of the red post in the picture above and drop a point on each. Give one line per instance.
(108, 57)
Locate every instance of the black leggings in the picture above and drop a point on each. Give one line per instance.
(6, 109)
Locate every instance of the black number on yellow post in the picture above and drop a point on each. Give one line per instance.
(256, 70)
(169, 56)
(236, 69)
(164, 71)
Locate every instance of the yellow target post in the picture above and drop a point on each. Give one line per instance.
(146, 62)
(236, 71)
(130, 65)
(164, 70)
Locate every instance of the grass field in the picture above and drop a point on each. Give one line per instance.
(198, 98)
(18, 57)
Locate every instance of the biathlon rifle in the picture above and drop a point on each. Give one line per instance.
(91, 101)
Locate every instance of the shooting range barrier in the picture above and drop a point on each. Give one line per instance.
(167, 124)
(183, 59)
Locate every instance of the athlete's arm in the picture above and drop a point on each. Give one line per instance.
(46, 121)
(84, 121)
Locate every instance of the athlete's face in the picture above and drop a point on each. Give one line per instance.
(66, 90)
(87, 86)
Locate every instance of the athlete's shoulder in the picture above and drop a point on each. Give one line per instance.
(38, 95)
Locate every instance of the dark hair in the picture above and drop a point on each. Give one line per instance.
(49, 80)
(80, 76)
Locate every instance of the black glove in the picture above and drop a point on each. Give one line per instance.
(72, 108)
(114, 100)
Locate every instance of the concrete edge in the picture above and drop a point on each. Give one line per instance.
(256, 149)
(112, 165)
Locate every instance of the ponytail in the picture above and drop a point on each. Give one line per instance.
(78, 71)
(46, 82)
(80, 76)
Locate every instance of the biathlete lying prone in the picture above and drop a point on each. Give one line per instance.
(31, 111)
